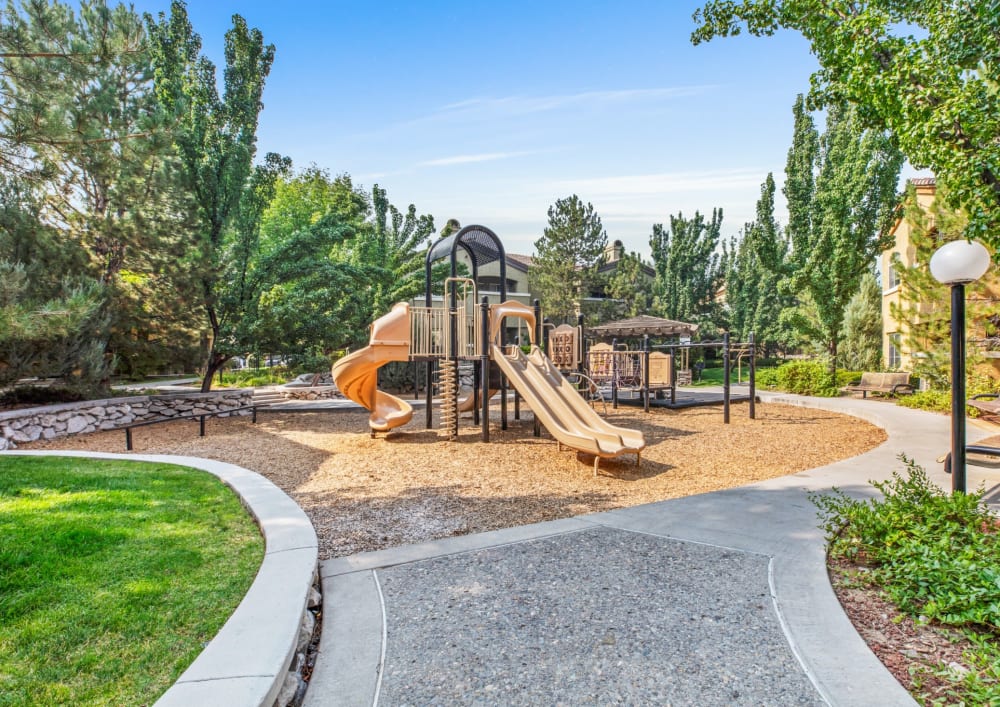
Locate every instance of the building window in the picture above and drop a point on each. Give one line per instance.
(894, 359)
(892, 277)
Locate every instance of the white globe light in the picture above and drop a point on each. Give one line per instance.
(960, 262)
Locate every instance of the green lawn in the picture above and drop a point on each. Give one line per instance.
(113, 576)
(714, 376)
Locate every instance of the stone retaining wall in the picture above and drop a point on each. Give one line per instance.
(319, 392)
(30, 424)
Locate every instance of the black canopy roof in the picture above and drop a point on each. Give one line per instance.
(482, 246)
(643, 324)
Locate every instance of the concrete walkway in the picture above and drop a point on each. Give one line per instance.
(715, 599)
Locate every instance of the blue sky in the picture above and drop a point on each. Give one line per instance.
(489, 112)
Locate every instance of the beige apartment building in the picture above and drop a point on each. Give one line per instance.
(895, 353)
(982, 309)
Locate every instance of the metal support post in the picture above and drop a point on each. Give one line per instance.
(725, 378)
(484, 363)
(614, 374)
(429, 408)
(958, 388)
(645, 372)
(753, 378)
(673, 375)
(537, 306)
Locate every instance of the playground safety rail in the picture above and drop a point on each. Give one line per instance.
(201, 419)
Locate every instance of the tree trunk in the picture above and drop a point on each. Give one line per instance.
(215, 363)
(833, 363)
(215, 360)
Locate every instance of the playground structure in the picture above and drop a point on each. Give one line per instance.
(462, 329)
(649, 375)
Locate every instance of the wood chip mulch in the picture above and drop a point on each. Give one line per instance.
(414, 485)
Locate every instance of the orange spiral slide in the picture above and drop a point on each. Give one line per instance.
(356, 375)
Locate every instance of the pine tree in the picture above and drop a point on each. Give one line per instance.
(862, 348)
(80, 124)
(567, 257)
(925, 306)
(79, 115)
(630, 286)
(61, 336)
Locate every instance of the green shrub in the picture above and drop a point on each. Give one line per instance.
(51, 395)
(937, 400)
(933, 400)
(767, 378)
(936, 555)
(251, 377)
(804, 378)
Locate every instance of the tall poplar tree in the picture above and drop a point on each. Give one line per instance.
(840, 201)
(754, 268)
(567, 256)
(688, 267)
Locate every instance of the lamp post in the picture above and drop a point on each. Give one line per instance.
(956, 264)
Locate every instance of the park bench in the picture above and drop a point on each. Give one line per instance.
(986, 403)
(893, 383)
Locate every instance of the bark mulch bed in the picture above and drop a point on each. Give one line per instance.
(915, 653)
(414, 485)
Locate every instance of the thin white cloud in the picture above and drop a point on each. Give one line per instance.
(522, 105)
(661, 183)
(490, 109)
(467, 159)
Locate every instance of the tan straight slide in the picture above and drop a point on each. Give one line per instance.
(561, 409)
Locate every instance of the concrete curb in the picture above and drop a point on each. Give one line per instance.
(248, 660)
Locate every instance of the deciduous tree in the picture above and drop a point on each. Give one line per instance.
(927, 71)
(754, 267)
(216, 140)
(842, 219)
